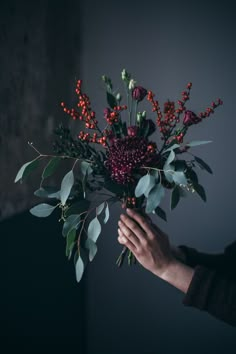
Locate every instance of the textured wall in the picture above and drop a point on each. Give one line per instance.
(39, 61)
(165, 44)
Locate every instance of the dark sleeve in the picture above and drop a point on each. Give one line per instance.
(194, 258)
(213, 292)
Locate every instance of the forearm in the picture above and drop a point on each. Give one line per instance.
(177, 274)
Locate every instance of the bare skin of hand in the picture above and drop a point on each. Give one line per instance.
(151, 247)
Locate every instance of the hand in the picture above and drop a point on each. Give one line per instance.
(149, 244)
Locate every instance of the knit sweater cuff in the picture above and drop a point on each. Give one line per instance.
(196, 295)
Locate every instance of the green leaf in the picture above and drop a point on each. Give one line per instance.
(70, 242)
(42, 210)
(175, 197)
(51, 167)
(79, 269)
(179, 178)
(86, 168)
(100, 208)
(180, 165)
(191, 174)
(173, 147)
(170, 158)
(107, 214)
(111, 100)
(154, 198)
(71, 223)
(92, 247)
(198, 142)
(200, 191)
(26, 169)
(94, 229)
(144, 185)
(203, 164)
(66, 186)
(161, 213)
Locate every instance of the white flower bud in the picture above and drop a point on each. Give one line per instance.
(132, 84)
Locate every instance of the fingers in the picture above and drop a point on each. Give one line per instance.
(128, 233)
(125, 241)
(133, 226)
(141, 220)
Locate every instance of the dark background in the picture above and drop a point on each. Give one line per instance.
(45, 45)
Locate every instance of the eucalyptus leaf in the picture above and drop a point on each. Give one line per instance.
(92, 247)
(70, 242)
(86, 168)
(107, 214)
(203, 164)
(79, 269)
(26, 169)
(66, 186)
(100, 208)
(173, 147)
(170, 158)
(42, 210)
(144, 185)
(179, 178)
(51, 167)
(154, 198)
(71, 222)
(168, 172)
(45, 192)
(94, 229)
(175, 197)
(198, 142)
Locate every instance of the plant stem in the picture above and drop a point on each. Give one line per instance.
(120, 259)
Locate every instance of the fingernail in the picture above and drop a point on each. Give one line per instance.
(128, 210)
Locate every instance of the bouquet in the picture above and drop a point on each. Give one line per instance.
(118, 162)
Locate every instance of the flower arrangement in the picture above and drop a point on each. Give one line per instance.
(119, 162)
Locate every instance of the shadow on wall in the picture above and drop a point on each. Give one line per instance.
(37, 72)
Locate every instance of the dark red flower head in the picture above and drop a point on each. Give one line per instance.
(190, 118)
(139, 93)
(127, 155)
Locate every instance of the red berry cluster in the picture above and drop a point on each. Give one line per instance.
(210, 110)
(171, 114)
(113, 116)
(87, 115)
(93, 138)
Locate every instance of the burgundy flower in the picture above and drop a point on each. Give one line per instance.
(190, 118)
(139, 93)
(133, 130)
(127, 155)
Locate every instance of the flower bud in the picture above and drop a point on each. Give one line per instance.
(139, 93)
(190, 118)
(125, 76)
(132, 84)
(139, 117)
(118, 97)
(144, 114)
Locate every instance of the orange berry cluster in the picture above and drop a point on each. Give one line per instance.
(113, 116)
(210, 110)
(93, 138)
(171, 114)
(86, 114)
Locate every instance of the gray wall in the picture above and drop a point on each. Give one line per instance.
(165, 44)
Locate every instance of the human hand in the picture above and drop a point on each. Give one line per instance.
(149, 244)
